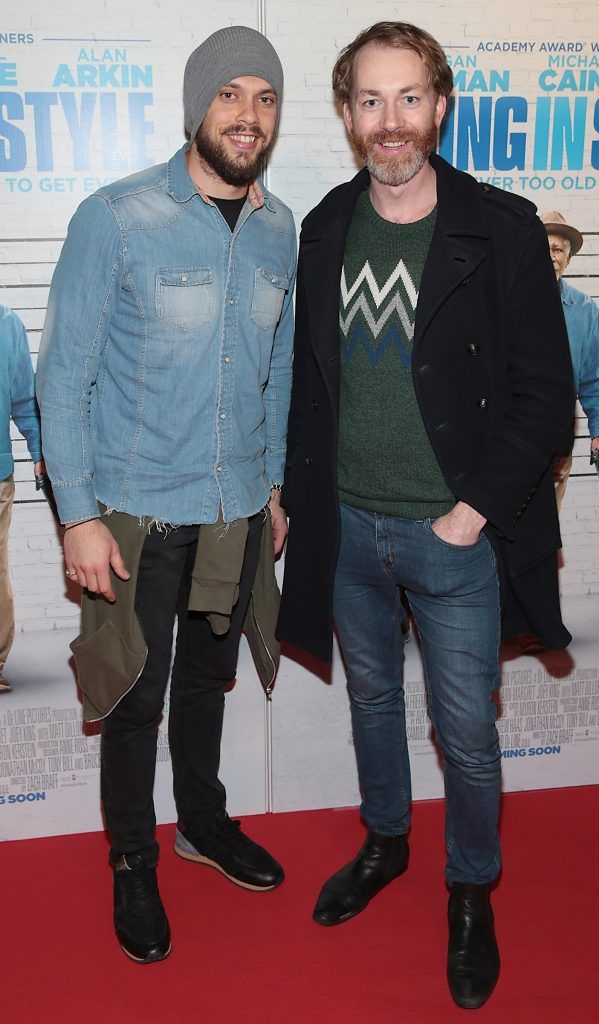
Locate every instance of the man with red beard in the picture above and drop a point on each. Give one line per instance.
(431, 384)
(164, 379)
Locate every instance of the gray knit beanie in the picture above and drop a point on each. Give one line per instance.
(227, 54)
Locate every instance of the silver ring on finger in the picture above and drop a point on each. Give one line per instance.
(70, 573)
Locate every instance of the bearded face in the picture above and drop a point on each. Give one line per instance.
(238, 130)
(219, 148)
(393, 114)
(393, 158)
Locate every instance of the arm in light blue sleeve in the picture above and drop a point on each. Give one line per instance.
(588, 385)
(23, 406)
(83, 296)
(277, 393)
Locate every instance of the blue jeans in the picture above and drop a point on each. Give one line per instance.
(454, 596)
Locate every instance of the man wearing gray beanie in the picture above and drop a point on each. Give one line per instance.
(164, 381)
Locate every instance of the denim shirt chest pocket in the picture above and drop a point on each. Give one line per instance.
(268, 297)
(185, 297)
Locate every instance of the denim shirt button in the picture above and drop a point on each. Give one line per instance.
(227, 359)
(223, 416)
(183, 278)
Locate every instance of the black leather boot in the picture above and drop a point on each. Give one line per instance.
(379, 861)
(473, 957)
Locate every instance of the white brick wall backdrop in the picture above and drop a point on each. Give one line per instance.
(309, 730)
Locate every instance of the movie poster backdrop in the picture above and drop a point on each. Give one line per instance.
(88, 96)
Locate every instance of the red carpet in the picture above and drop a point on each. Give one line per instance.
(245, 957)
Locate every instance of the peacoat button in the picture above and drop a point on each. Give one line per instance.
(315, 404)
(308, 461)
(442, 426)
(473, 349)
(424, 368)
(482, 403)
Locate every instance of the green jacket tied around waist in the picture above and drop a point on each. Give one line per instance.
(110, 651)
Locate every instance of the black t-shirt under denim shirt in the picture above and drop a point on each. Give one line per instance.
(230, 209)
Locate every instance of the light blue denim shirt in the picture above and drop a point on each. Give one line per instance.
(164, 372)
(17, 391)
(582, 321)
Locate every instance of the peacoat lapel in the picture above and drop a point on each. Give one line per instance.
(322, 246)
(458, 246)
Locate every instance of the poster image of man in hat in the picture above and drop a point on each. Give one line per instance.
(582, 320)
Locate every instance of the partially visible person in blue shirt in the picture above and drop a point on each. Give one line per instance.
(17, 400)
(582, 320)
(164, 381)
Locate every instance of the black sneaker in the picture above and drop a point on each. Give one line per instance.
(140, 921)
(226, 848)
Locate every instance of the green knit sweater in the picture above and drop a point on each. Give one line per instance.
(385, 462)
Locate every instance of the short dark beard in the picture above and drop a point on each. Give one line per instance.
(233, 171)
(396, 170)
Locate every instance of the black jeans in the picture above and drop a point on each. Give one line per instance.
(204, 664)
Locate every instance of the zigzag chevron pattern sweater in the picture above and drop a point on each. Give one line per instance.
(385, 461)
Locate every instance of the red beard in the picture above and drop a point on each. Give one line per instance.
(396, 168)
